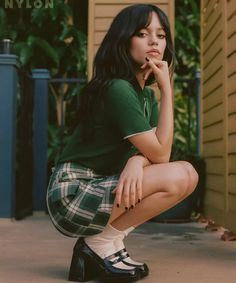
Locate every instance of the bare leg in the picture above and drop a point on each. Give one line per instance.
(164, 185)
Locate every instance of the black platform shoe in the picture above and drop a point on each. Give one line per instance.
(143, 268)
(85, 263)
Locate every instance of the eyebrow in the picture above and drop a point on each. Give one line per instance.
(159, 29)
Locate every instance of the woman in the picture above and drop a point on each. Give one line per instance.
(115, 174)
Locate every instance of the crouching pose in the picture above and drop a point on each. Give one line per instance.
(114, 173)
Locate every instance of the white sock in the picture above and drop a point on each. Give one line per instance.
(119, 245)
(103, 244)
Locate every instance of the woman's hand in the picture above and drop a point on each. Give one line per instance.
(160, 70)
(129, 187)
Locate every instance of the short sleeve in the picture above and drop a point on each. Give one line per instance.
(125, 110)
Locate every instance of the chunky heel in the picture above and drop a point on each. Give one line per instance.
(85, 265)
(79, 270)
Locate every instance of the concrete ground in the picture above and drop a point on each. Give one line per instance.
(32, 251)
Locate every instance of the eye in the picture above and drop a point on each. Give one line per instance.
(161, 36)
(142, 34)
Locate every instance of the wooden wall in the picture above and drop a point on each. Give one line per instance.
(101, 14)
(218, 108)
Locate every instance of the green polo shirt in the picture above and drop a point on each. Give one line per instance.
(127, 112)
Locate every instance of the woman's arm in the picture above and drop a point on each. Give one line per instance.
(157, 146)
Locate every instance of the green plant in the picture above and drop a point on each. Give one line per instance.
(187, 45)
(187, 37)
(184, 125)
(55, 39)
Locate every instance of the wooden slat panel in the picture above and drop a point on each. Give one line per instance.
(215, 165)
(213, 132)
(232, 83)
(212, 46)
(102, 24)
(231, 44)
(232, 144)
(208, 9)
(232, 163)
(231, 26)
(232, 123)
(211, 22)
(213, 65)
(107, 10)
(214, 198)
(232, 183)
(214, 82)
(96, 46)
(231, 8)
(99, 35)
(215, 149)
(232, 66)
(214, 115)
(162, 2)
(232, 104)
(232, 202)
(213, 99)
(215, 37)
(226, 95)
(215, 182)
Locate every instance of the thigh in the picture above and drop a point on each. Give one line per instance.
(163, 177)
(169, 177)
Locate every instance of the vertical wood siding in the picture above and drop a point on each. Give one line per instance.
(101, 14)
(218, 104)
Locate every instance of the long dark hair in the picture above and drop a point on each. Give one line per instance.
(113, 60)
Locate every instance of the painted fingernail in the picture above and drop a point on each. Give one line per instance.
(126, 208)
(118, 205)
(147, 59)
(132, 206)
(139, 200)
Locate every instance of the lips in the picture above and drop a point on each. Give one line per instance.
(154, 52)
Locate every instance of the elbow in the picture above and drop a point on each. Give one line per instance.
(165, 160)
(159, 159)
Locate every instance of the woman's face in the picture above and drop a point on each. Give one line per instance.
(149, 42)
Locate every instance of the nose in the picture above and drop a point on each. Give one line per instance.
(153, 40)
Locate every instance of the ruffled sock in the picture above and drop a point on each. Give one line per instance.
(103, 245)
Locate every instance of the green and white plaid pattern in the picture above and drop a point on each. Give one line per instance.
(79, 200)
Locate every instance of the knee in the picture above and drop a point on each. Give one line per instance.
(180, 183)
(191, 176)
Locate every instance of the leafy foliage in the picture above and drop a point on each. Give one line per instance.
(184, 124)
(187, 37)
(47, 38)
(187, 45)
(54, 39)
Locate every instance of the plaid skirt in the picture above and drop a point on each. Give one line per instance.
(79, 200)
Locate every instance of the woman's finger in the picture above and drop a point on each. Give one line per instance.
(132, 194)
(147, 74)
(143, 66)
(152, 64)
(125, 195)
(118, 191)
(139, 189)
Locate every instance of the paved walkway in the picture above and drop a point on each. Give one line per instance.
(32, 251)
